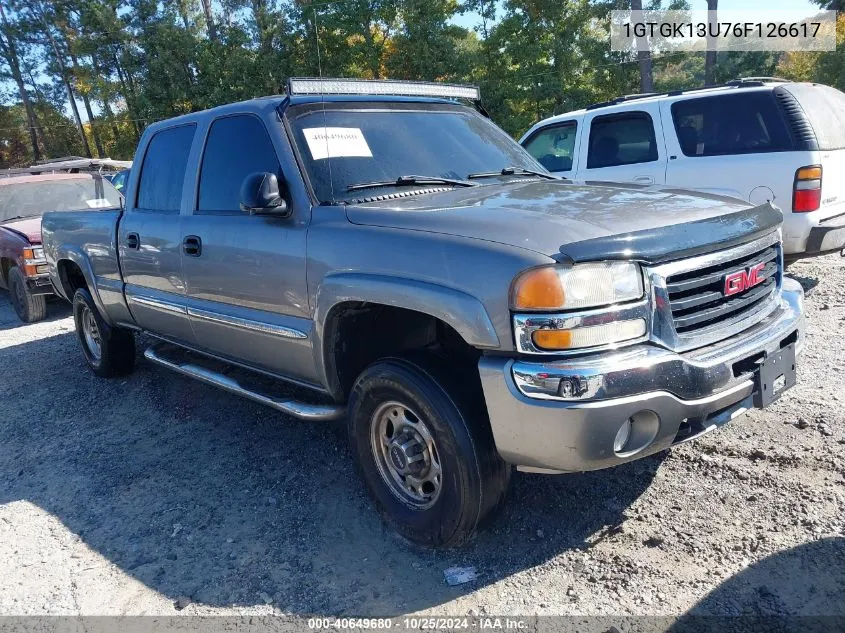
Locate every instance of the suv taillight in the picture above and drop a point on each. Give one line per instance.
(807, 190)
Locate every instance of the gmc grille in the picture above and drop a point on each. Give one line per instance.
(698, 298)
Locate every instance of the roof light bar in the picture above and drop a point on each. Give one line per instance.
(317, 86)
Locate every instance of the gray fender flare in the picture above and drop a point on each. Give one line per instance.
(463, 312)
(78, 257)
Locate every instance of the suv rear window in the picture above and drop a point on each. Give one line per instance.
(717, 125)
(163, 169)
(621, 139)
(825, 107)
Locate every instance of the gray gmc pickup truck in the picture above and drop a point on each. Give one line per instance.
(380, 253)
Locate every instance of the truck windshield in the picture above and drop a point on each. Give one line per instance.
(36, 197)
(393, 144)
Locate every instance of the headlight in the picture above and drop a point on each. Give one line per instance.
(588, 285)
(37, 252)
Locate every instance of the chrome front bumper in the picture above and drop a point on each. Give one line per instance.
(566, 415)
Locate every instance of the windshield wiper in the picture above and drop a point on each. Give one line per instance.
(511, 171)
(410, 181)
(18, 217)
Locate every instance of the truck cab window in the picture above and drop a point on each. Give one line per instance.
(236, 147)
(163, 169)
(554, 146)
(621, 139)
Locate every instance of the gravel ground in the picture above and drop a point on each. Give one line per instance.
(155, 494)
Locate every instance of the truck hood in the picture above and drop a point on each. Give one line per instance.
(30, 228)
(578, 221)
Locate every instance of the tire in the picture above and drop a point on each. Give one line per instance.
(473, 478)
(109, 351)
(29, 307)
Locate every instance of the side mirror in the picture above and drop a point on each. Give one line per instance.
(260, 195)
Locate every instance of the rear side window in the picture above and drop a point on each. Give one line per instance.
(554, 146)
(825, 107)
(621, 139)
(746, 123)
(163, 170)
(237, 146)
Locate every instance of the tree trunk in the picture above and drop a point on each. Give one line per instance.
(10, 52)
(710, 55)
(104, 99)
(66, 81)
(643, 52)
(128, 96)
(87, 102)
(209, 20)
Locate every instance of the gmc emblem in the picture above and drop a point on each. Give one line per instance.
(743, 279)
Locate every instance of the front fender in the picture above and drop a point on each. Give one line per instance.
(461, 311)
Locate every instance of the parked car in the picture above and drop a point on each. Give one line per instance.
(23, 200)
(757, 139)
(412, 268)
(118, 179)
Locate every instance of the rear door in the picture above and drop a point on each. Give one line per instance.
(623, 146)
(734, 143)
(247, 294)
(555, 147)
(149, 237)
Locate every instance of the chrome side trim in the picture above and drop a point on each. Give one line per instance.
(157, 304)
(526, 324)
(289, 406)
(247, 324)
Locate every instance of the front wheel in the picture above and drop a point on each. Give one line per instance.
(29, 307)
(109, 351)
(425, 451)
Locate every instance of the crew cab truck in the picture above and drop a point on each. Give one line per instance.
(412, 270)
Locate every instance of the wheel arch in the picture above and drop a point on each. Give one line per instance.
(456, 318)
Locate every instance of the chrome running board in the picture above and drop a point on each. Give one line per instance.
(290, 406)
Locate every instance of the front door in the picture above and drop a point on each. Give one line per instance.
(623, 147)
(245, 274)
(149, 237)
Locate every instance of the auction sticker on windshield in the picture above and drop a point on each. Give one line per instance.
(336, 142)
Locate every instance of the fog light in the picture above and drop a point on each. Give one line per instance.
(636, 433)
(622, 436)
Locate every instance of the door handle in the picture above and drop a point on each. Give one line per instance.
(192, 246)
(133, 241)
(644, 180)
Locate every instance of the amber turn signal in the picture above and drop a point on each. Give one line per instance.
(539, 289)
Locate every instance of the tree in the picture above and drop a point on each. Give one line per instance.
(9, 51)
(643, 53)
(710, 54)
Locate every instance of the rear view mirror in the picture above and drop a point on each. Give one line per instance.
(260, 195)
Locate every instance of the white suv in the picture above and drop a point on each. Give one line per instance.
(756, 139)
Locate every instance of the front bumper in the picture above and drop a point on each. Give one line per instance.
(39, 285)
(566, 415)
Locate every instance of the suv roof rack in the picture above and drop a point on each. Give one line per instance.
(742, 82)
(622, 99)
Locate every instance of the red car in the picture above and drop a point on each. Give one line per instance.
(23, 200)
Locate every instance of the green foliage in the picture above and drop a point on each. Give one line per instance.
(138, 61)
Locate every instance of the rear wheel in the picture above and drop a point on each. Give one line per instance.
(109, 351)
(425, 451)
(29, 307)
